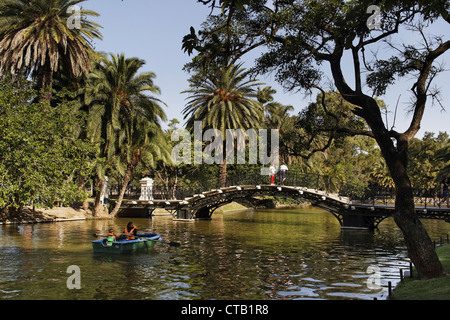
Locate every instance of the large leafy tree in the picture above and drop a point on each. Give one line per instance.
(443, 155)
(306, 38)
(226, 99)
(38, 37)
(276, 116)
(425, 161)
(122, 115)
(323, 32)
(322, 138)
(41, 156)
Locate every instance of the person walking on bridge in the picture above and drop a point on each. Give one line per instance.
(283, 169)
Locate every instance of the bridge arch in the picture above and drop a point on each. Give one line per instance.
(203, 205)
(353, 205)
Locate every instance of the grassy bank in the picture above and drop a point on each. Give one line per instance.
(432, 289)
(230, 207)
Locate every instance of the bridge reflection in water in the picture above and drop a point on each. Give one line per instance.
(355, 206)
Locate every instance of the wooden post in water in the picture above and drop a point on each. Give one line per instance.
(389, 289)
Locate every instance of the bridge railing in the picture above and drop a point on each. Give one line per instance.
(356, 193)
(426, 197)
(248, 177)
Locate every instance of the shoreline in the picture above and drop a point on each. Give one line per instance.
(414, 288)
(57, 214)
(63, 214)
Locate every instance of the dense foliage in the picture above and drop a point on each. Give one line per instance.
(41, 157)
(39, 38)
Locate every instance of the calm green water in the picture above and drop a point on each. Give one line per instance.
(269, 254)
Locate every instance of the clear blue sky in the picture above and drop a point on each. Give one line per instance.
(152, 30)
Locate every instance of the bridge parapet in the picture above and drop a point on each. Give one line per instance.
(352, 204)
(350, 214)
(358, 193)
(250, 177)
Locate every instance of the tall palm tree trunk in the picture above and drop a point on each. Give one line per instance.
(174, 188)
(223, 173)
(45, 82)
(99, 210)
(126, 180)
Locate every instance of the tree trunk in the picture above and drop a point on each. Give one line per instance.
(223, 173)
(125, 182)
(135, 158)
(45, 81)
(85, 205)
(420, 247)
(99, 210)
(174, 188)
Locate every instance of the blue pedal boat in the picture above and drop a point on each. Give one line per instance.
(142, 242)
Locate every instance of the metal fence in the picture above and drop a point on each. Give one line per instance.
(357, 193)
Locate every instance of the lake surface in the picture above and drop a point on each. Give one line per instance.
(280, 254)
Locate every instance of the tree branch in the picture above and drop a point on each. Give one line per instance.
(421, 87)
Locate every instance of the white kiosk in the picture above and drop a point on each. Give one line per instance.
(146, 189)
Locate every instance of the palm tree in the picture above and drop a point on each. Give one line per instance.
(122, 115)
(380, 174)
(276, 116)
(142, 140)
(37, 37)
(225, 100)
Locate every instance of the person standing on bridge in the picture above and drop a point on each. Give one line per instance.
(283, 169)
(273, 170)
